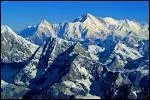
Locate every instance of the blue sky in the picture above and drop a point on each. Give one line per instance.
(19, 14)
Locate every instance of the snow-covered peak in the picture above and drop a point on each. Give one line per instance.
(42, 31)
(94, 24)
(88, 16)
(111, 21)
(87, 26)
(84, 17)
(44, 21)
(5, 28)
(44, 24)
(45, 27)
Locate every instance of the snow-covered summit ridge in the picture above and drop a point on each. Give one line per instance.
(84, 17)
(89, 27)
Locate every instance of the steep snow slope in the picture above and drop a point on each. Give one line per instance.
(14, 48)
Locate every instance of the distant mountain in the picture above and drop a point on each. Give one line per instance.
(38, 34)
(87, 27)
(28, 31)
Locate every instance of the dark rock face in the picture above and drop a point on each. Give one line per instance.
(144, 83)
(135, 63)
(111, 85)
(135, 77)
(122, 92)
(104, 55)
(44, 58)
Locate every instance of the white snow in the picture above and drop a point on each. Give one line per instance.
(111, 21)
(88, 96)
(6, 29)
(44, 28)
(134, 26)
(3, 83)
(9, 37)
(127, 52)
(94, 50)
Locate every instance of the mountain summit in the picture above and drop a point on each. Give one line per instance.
(87, 27)
(83, 18)
(43, 24)
(46, 28)
(39, 33)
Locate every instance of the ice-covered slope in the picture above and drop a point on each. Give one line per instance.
(14, 48)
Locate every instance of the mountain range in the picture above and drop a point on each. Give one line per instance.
(88, 57)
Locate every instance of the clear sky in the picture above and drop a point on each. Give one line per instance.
(19, 14)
